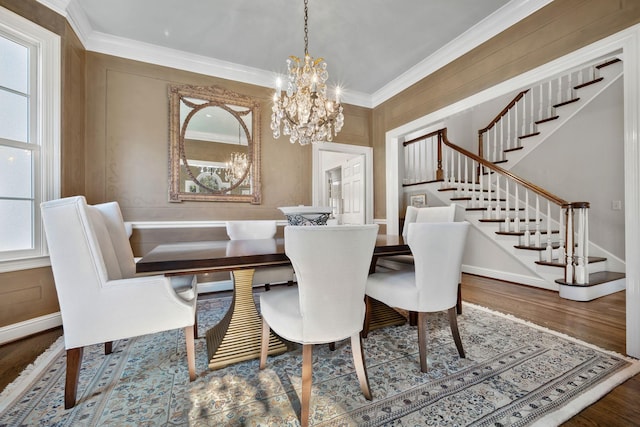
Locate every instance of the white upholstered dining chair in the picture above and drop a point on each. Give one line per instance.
(100, 299)
(331, 264)
(433, 284)
(261, 229)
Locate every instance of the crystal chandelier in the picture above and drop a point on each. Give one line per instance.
(303, 109)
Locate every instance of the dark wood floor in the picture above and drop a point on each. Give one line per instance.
(600, 322)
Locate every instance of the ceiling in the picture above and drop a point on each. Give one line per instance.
(373, 48)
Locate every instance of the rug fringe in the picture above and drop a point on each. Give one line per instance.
(551, 331)
(13, 390)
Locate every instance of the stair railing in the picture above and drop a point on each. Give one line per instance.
(502, 195)
(520, 118)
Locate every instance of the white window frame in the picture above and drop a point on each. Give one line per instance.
(44, 129)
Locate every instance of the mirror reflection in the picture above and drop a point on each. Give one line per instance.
(214, 145)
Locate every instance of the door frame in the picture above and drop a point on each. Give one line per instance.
(318, 171)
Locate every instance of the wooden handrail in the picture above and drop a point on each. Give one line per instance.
(420, 138)
(538, 190)
(503, 112)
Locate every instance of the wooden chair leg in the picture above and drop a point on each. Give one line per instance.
(367, 317)
(422, 340)
(74, 360)
(459, 303)
(264, 344)
(108, 347)
(307, 368)
(453, 322)
(191, 351)
(361, 368)
(195, 325)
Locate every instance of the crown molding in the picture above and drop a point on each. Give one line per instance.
(95, 41)
(500, 20)
(58, 6)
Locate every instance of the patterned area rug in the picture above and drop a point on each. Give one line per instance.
(515, 374)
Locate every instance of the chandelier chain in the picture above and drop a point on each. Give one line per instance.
(306, 30)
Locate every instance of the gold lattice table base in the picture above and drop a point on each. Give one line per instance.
(237, 336)
(382, 315)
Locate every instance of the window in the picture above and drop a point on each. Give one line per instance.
(29, 137)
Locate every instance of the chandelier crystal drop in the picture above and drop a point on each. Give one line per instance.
(303, 110)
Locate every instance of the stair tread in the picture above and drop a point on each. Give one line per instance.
(529, 135)
(562, 104)
(521, 233)
(556, 262)
(554, 245)
(548, 119)
(596, 278)
(500, 220)
(585, 84)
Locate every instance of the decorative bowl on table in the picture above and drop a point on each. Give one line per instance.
(306, 215)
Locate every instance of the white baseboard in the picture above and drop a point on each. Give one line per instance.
(510, 277)
(28, 327)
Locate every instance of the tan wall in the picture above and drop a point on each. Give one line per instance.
(31, 293)
(560, 28)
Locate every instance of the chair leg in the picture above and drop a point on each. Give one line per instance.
(195, 325)
(422, 340)
(459, 303)
(367, 317)
(191, 351)
(453, 322)
(307, 368)
(108, 347)
(264, 343)
(74, 360)
(361, 368)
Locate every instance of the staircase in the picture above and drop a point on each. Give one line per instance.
(544, 233)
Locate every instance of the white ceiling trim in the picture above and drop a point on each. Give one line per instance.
(95, 41)
(489, 27)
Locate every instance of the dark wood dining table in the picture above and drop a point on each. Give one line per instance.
(237, 336)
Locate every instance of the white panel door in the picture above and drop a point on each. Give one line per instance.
(353, 191)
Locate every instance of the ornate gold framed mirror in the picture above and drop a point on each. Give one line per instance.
(214, 149)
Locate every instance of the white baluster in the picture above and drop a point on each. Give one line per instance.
(550, 100)
(537, 233)
(507, 216)
(496, 212)
(459, 178)
(452, 176)
(516, 216)
(559, 92)
(488, 211)
(445, 168)
(523, 129)
(549, 248)
(541, 102)
(527, 230)
(508, 141)
(481, 195)
(473, 184)
(466, 176)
